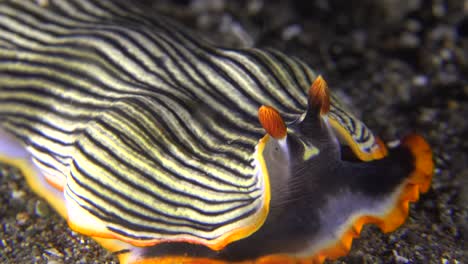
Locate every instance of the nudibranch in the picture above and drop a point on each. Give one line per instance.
(165, 149)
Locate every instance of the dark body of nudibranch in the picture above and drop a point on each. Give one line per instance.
(168, 150)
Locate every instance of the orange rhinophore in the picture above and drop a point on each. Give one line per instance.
(272, 122)
(319, 95)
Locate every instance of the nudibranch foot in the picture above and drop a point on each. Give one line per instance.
(14, 154)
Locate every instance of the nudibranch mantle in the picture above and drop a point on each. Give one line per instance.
(168, 150)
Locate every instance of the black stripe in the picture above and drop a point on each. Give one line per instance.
(132, 235)
(141, 65)
(45, 107)
(112, 28)
(140, 126)
(282, 60)
(13, 117)
(137, 104)
(151, 179)
(364, 135)
(348, 122)
(136, 214)
(261, 57)
(25, 139)
(43, 94)
(106, 216)
(91, 158)
(185, 37)
(118, 133)
(116, 230)
(170, 42)
(305, 70)
(92, 49)
(208, 50)
(47, 165)
(145, 95)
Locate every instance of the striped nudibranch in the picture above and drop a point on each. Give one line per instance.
(169, 150)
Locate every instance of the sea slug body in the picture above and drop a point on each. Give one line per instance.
(168, 150)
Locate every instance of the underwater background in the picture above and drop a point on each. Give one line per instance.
(402, 66)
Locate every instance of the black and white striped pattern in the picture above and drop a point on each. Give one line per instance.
(153, 130)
